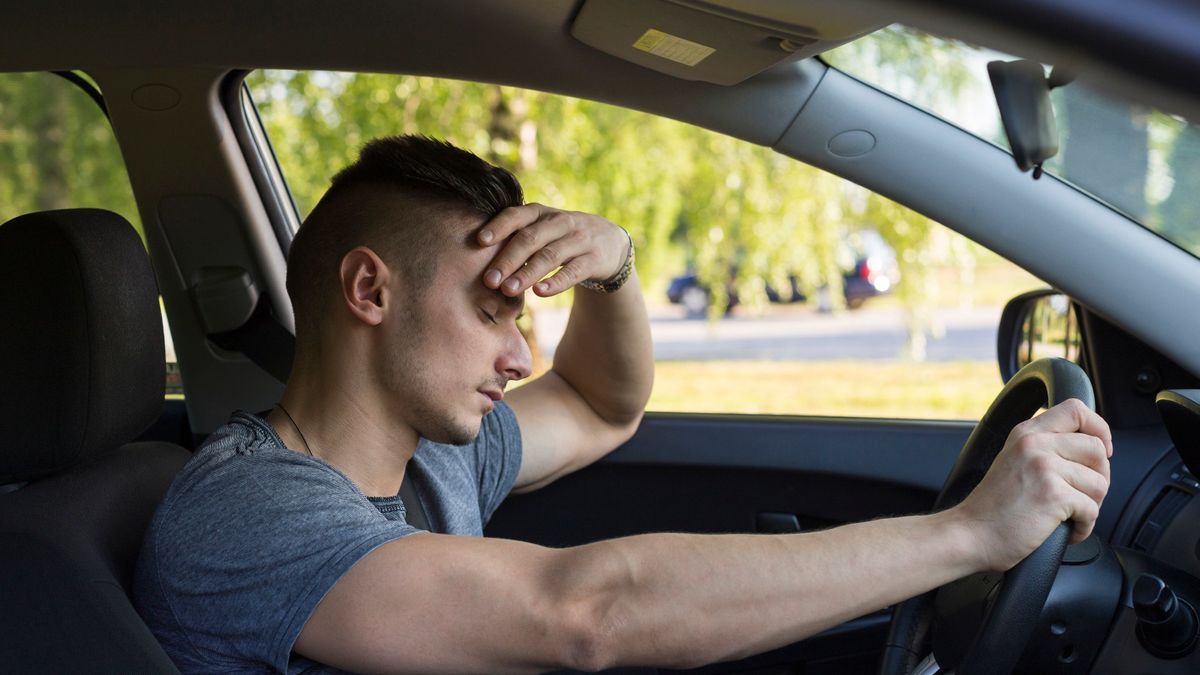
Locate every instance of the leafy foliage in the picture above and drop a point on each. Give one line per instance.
(57, 150)
(740, 215)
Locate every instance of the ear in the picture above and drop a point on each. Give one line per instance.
(364, 284)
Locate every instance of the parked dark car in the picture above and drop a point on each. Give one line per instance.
(875, 272)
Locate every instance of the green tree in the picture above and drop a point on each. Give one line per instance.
(741, 215)
(58, 150)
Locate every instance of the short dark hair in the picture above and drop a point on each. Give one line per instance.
(398, 199)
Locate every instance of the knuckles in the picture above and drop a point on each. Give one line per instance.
(1023, 429)
(1041, 464)
(547, 255)
(1053, 490)
(1026, 444)
(525, 237)
(562, 219)
(1077, 406)
(569, 274)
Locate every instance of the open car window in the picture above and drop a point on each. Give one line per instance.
(773, 287)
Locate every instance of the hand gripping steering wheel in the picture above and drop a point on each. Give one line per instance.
(1016, 597)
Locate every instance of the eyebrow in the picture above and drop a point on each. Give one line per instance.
(517, 303)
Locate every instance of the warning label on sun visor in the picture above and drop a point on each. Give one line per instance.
(674, 48)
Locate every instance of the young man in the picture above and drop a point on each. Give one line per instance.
(283, 543)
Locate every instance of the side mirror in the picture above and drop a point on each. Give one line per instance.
(1035, 325)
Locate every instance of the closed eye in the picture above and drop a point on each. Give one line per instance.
(490, 317)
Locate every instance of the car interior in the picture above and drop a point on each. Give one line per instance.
(88, 445)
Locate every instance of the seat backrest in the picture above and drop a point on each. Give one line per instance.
(81, 375)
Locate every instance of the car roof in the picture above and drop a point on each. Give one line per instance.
(529, 44)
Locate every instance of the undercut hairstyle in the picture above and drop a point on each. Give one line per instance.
(406, 198)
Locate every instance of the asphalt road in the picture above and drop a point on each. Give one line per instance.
(801, 334)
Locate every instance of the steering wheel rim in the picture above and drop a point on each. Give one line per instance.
(1009, 621)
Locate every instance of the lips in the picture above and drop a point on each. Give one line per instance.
(494, 394)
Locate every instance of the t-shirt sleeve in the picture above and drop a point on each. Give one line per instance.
(499, 457)
(280, 536)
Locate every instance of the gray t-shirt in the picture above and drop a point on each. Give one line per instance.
(251, 536)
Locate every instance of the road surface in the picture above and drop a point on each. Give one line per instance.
(801, 334)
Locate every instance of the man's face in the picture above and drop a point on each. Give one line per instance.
(454, 348)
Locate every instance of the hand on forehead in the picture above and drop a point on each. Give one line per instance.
(532, 241)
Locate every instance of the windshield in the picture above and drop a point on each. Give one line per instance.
(1141, 161)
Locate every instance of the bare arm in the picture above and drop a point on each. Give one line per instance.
(592, 399)
(437, 603)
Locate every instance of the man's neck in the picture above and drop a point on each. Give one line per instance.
(351, 428)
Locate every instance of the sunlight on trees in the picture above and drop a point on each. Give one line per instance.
(741, 216)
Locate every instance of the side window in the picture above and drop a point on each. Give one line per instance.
(773, 287)
(57, 151)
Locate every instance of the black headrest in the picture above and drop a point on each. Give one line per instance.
(81, 344)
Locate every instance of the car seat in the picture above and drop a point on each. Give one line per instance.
(81, 376)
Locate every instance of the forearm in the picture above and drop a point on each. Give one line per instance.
(606, 353)
(684, 600)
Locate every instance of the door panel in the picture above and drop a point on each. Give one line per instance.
(723, 474)
(706, 473)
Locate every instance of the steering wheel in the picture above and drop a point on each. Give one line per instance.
(1015, 598)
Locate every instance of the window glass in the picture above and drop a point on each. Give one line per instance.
(1141, 161)
(57, 151)
(773, 287)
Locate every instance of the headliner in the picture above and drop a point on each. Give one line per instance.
(527, 43)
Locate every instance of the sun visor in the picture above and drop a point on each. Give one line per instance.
(710, 40)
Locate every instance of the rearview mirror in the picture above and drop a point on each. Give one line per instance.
(1023, 96)
(1035, 325)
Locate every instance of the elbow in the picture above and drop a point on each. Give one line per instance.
(591, 633)
(590, 649)
(626, 426)
(622, 416)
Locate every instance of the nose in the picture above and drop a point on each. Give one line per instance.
(515, 361)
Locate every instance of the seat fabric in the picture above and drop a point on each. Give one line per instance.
(81, 375)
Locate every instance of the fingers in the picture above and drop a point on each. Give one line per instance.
(1070, 489)
(536, 240)
(1081, 449)
(533, 249)
(566, 277)
(508, 221)
(1090, 483)
(1084, 512)
(1072, 415)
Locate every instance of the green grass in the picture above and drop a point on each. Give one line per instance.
(951, 390)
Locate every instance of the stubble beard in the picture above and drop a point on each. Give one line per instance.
(408, 377)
